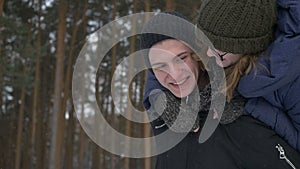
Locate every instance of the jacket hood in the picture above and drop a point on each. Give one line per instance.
(151, 84)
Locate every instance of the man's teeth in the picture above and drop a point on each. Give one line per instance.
(180, 82)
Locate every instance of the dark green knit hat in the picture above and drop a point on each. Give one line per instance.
(238, 26)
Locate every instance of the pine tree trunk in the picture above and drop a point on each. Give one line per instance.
(70, 140)
(36, 93)
(71, 120)
(27, 145)
(1, 54)
(170, 5)
(130, 74)
(147, 161)
(20, 125)
(82, 148)
(82, 137)
(29, 148)
(58, 118)
(47, 76)
(11, 130)
(1, 12)
(96, 161)
(113, 67)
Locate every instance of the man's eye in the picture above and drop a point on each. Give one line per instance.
(181, 58)
(159, 67)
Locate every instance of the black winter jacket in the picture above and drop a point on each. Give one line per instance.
(245, 143)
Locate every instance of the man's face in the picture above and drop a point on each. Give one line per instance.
(174, 66)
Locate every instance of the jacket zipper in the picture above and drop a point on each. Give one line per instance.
(159, 126)
(282, 156)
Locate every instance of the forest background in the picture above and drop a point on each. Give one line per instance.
(40, 41)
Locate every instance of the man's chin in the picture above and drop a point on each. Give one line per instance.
(181, 94)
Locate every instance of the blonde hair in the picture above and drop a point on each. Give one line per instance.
(236, 71)
(200, 59)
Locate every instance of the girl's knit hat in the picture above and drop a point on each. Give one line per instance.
(238, 26)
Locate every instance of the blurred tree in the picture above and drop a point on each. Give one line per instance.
(79, 19)
(38, 127)
(58, 117)
(1, 53)
(112, 115)
(170, 5)
(147, 163)
(37, 113)
(20, 125)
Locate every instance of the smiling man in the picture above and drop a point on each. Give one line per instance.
(174, 67)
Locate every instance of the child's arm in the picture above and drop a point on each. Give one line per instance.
(274, 117)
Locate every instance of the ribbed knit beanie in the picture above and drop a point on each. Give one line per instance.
(166, 25)
(238, 26)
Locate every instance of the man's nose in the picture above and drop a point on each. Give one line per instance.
(174, 70)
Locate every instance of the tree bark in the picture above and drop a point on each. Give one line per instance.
(70, 140)
(58, 118)
(147, 129)
(170, 5)
(1, 7)
(47, 76)
(36, 95)
(67, 88)
(1, 53)
(29, 148)
(20, 125)
(96, 161)
(11, 130)
(130, 74)
(113, 67)
(82, 148)
(1, 13)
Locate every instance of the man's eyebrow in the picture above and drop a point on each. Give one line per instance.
(157, 63)
(182, 53)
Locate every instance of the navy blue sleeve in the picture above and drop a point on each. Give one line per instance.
(274, 117)
(291, 103)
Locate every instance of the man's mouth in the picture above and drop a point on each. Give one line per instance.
(179, 82)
